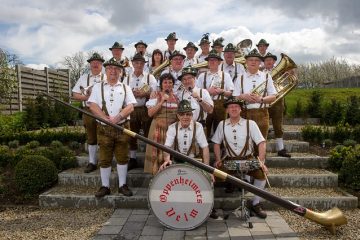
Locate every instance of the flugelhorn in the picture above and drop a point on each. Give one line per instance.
(330, 219)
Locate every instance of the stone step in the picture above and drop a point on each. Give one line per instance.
(73, 197)
(288, 135)
(289, 177)
(301, 121)
(298, 159)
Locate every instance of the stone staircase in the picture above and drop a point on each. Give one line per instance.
(301, 179)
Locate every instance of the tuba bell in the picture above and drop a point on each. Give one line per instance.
(157, 71)
(284, 78)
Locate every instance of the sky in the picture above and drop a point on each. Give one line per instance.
(43, 32)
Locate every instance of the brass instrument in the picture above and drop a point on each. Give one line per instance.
(157, 71)
(284, 80)
(145, 88)
(125, 62)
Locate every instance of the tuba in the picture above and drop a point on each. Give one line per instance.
(284, 78)
(157, 71)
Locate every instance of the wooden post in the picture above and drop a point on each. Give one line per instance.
(18, 69)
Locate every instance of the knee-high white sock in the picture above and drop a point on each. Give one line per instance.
(247, 178)
(105, 176)
(279, 144)
(92, 154)
(132, 154)
(260, 184)
(122, 172)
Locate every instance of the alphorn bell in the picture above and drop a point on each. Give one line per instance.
(329, 219)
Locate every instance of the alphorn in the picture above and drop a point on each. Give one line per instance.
(329, 219)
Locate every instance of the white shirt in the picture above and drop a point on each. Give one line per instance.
(187, 95)
(214, 80)
(201, 58)
(236, 135)
(250, 82)
(138, 82)
(190, 61)
(185, 137)
(167, 53)
(230, 69)
(175, 74)
(114, 97)
(82, 84)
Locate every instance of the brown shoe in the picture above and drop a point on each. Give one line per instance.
(90, 168)
(124, 190)
(258, 211)
(283, 153)
(103, 191)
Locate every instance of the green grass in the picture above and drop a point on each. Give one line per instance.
(340, 94)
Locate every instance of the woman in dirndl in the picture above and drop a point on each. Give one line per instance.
(162, 107)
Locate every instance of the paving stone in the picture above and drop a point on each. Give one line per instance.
(110, 230)
(216, 226)
(150, 238)
(239, 232)
(263, 235)
(122, 213)
(115, 221)
(140, 212)
(287, 238)
(278, 222)
(260, 227)
(196, 232)
(152, 231)
(241, 238)
(195, 238)
(218, 235)
(104, 237)
(283, 232)
(137, 218)
(131, 230)
(173, 235)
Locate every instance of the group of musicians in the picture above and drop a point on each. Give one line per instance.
(181, 109)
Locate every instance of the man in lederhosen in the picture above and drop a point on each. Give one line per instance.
(140, 48)
(229, 65)
(219, 85)
(205, 48)
(112, 101)
(255, 104)
(276, 111)
(190, 51)
(142, 84)
(199, 98)
(81, 92)
(171, 42)
(187, 137)
(238, 136)
(175, 68)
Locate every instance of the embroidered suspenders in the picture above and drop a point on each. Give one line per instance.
(192, 146)
(245, 148)
(104, 108)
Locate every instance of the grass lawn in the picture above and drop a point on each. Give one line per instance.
(340, 94)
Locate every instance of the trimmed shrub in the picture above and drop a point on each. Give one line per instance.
(14, 144)
(314, 106)
(350, 170)
(299, 110)
(6, 155)
(62, 156)
(352, 115)
(349, 143)
(337, 156)
(341, 133)
(332, 112)
(33, 144)
(33, 174)
(56, 144)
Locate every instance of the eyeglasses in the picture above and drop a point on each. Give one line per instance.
(188, 114)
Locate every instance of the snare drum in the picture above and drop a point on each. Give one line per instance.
(181, 197)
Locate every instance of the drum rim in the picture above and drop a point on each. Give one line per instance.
(166, 225)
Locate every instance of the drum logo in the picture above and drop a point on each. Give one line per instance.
(181, 172)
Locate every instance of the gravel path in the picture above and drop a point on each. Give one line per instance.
(34, 223)
(310, 230)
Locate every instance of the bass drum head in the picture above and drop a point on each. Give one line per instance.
(181, 197)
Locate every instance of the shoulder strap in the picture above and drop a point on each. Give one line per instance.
(201, 113)
(235, 75)
(88, 80)
(103, 108)
(246, 146)
(265, 90)
(124, 96)
(192, 146)
(226, 144)
(176, 142)
(205, 75)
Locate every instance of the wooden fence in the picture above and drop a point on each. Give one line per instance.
(31, 81)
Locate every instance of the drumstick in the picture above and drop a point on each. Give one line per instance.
(261, 166)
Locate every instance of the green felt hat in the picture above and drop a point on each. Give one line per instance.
(138, 57)
(253, 53)
(184, 106)
(263, 42)
(233, 100)
(117, 45)
(204, 39)
(270, 55)
(177, 53)
(188, 70)
(113, 62)
(213, 54)
(141, 42)
(96, 56)
(218, 42)
(230, 48)
(171, 36)
(191, 45)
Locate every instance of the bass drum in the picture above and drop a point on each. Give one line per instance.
(181, 197)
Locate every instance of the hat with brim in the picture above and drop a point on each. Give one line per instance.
(177, 53)
(233, 100)
(270, 55)
(117, 46)
(141, 42)
(230, 48)
(204, 39)
(191, 45)
(171, 36)
(96, 57)
(184, 106)
(113, 62)
(138, 57)
(254, 53)
(263, 42)
(218, 42)
(188, 70)
(213, 54)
